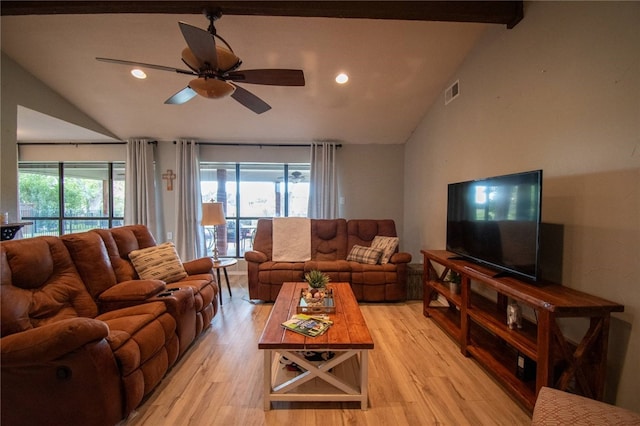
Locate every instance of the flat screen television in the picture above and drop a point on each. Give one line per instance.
(497, 222)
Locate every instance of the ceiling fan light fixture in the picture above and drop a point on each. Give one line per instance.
(190, 59)
(211, 88)
(227, 60)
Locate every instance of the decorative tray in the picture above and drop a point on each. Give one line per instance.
(325, 306)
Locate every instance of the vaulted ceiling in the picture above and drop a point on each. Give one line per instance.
(399, 56)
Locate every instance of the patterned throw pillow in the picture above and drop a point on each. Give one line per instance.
(362, 254)
(388, 246)
(159, 262)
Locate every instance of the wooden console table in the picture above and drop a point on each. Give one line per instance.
(479, 324)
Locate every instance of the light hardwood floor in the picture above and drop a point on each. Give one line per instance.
(417, 376)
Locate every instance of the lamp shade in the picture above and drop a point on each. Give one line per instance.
(212, 214)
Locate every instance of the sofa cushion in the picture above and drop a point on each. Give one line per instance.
(14, 310)
(90, 256)
(51, 341)
(362, 254)
(388, 245)
(126, 322)
(120, 242)
(329, 239)
(328, 266)
(159, 262)
(132, 290)
(203, 291)
(132, 237)
(363, 231)
(39, 273)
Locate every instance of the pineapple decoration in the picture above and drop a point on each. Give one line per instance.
(317, 286)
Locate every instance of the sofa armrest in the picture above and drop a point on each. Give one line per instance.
(202, 265)
(400, 257)
(51, 341)
(132, 290)
(555, 407)
(255, 256)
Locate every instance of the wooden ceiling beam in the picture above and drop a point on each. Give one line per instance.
(508, 12)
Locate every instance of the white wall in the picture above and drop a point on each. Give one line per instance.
(371, 182)
(560, 92)
(21, 88)
(370, 176)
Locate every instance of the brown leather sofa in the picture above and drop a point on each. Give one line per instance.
(121, 241)
(331, 243)
(80, 345)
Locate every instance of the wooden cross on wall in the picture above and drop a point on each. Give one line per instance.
(169, 176)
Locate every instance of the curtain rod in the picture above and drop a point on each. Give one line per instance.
(78, 143)
(284, 145)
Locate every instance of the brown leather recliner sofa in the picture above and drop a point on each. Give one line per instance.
(82, 342)
(119, 243)
(331, 243)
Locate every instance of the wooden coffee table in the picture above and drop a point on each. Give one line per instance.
(341, 378)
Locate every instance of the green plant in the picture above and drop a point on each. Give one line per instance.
(316, 279)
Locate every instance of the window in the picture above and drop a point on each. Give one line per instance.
(63, 198)
(248, 192)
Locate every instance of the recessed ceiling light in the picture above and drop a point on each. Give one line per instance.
(342, 78)
(138, 73)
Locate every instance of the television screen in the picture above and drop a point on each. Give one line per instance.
(496, 221)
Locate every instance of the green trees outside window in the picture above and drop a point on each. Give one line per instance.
(63, 198)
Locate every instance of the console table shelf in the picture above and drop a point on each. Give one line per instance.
(9, 230)
(484, 313)
(476, 318)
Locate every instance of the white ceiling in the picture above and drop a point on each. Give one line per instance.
(397, 70)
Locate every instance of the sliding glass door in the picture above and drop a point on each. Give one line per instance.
(250, 191)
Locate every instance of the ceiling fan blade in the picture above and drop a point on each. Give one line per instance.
(143, 65)
(274, 77)
(181, 97)
(201, 43)
(250, 100)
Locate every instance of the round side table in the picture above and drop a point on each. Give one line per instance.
(224, 264)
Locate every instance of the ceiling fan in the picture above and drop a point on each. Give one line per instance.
(216, 69)
(294, 177)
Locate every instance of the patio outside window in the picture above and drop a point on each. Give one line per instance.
(250, 191)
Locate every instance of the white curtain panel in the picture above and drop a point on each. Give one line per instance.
(189, 237)
(140, 195)
(323, 193)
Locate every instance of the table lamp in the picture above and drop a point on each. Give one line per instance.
(213, 215)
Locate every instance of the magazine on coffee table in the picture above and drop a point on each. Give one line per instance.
(307, 325)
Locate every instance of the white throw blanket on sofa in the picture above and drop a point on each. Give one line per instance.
(291, 239)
